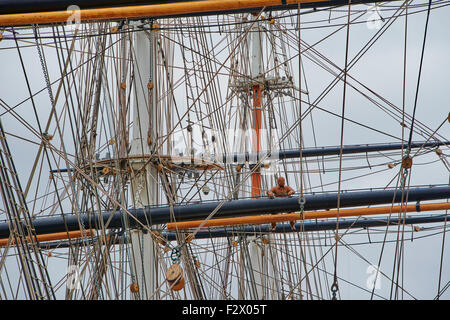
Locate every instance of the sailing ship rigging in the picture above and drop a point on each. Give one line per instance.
(138, 141)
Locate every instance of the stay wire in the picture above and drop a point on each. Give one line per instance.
(334, 286)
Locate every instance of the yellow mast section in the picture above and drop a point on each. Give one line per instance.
(141, 11)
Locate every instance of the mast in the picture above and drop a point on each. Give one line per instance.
(144, 178)
(256, 77)
(256, 256)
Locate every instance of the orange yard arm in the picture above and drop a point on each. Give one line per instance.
(141, 11)
(262, 219)
(53, 236)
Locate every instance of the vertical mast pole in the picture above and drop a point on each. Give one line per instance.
(256, 75)
(256, 263)
(144, 183)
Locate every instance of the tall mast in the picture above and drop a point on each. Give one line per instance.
(144, 178)
(258, 258)
(256, 76)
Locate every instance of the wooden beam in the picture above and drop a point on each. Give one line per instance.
(262, 219)
(53, 236)
(141, 11)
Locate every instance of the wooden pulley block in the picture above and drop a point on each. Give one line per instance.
(134, 287)
(46, 136)
(206, 190)
(175, 278)
(197, 262)
(189, 237)
(407, 162)
(106, 170)
(159, 238)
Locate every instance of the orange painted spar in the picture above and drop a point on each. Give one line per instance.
(53, 236)
(256, 176)
(142, 11)
(269, 218)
